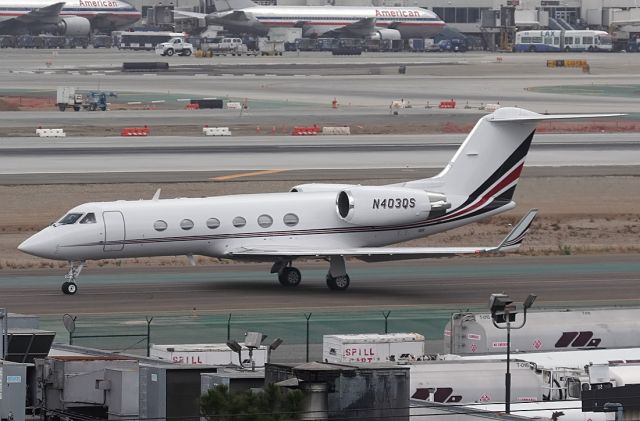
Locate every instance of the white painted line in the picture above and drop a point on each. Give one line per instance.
(160, 101)
(183, 99)
(134, 103)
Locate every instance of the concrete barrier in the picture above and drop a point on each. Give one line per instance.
(50, 133)
(216, 131)
(346, 130)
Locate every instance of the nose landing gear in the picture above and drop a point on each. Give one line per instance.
(69, 286)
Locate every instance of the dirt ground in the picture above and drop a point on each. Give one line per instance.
(578, 215)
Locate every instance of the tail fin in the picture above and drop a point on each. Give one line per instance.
(486, 168)
(225, 5)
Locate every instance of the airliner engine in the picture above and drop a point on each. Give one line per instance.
(382, 205)
(74, 26)
(385, 33)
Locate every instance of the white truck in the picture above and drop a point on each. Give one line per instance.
(175, 45)
(208, 354)
(68, 97)
(225, 45)
(372, 348)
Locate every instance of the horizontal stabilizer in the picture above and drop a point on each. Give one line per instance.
(507, 114)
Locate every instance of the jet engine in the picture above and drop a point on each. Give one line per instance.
(320, 187)
(382, 205)
(385, 33)
(74, 26)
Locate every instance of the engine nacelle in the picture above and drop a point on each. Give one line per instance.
(382, 205)
(385, 33)
(74, 26)
(320, 187)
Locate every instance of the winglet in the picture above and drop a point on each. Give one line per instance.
(513, 240)
(157, 195)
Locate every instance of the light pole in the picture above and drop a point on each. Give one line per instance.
(503, 313)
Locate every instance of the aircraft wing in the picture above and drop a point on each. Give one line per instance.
(184, 14)
(49, 14)
(381, 254)
(42, 14)
(363, 27)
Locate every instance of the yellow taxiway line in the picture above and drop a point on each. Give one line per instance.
(246, 174)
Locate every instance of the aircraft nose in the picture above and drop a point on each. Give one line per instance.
(39, 245)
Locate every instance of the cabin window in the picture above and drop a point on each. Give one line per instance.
(70, 218)
(265, 221)
(186, 224)
(291, 219)
(587, 40)
(213, 223)
(568, 40)
(159, 225)
(239, 222)
(89, 218)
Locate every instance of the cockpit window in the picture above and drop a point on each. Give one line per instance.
(69, 218)
(89, 218)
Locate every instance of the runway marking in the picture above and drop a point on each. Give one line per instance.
(246, 174)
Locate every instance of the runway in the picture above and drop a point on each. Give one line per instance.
(174, 154)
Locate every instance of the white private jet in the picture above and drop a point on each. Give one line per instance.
(326, 221)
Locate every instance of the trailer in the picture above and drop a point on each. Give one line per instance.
(209, 354)
(372, 348)
(470, 333)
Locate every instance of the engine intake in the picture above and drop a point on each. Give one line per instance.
(74, 26)
(382, 205)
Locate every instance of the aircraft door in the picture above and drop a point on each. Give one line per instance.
(114, 230)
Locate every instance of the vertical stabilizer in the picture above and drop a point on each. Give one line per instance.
(486, 168)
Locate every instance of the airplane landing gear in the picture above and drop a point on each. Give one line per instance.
(289, 276)
(69, 286)
(338, 283)
(337, 278)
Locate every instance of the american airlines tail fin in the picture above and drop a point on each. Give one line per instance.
(486, 168)
(225, 5)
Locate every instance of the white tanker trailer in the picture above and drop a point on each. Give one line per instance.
(474, 333)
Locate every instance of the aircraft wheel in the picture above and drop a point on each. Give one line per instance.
(290, 277)
(339, 283)
(69, 288)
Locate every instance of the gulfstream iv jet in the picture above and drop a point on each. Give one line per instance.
(324, 221)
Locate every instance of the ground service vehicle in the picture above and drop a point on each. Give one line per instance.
(469, 333)
(67, 97)
(546, 41)
(223, 46)
(174, 46)
(142, 40)
(372, 348)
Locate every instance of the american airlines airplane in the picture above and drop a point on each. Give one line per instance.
(71, 18)
(244, 16)
(323, 221)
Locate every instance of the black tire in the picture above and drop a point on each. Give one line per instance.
(340, 283)
(290, 277)
(69, 288)
(590, 49)
(186, 53)
(567, 49)
(169, 52)
(532, 48)
(76, 108)
(62, 107)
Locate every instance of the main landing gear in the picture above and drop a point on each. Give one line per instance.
(69, 286)
(337, 278)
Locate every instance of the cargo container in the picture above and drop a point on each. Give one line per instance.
(469, 333)
(372, 348)
(208, 354)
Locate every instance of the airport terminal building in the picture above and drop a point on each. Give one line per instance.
(467, 15)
